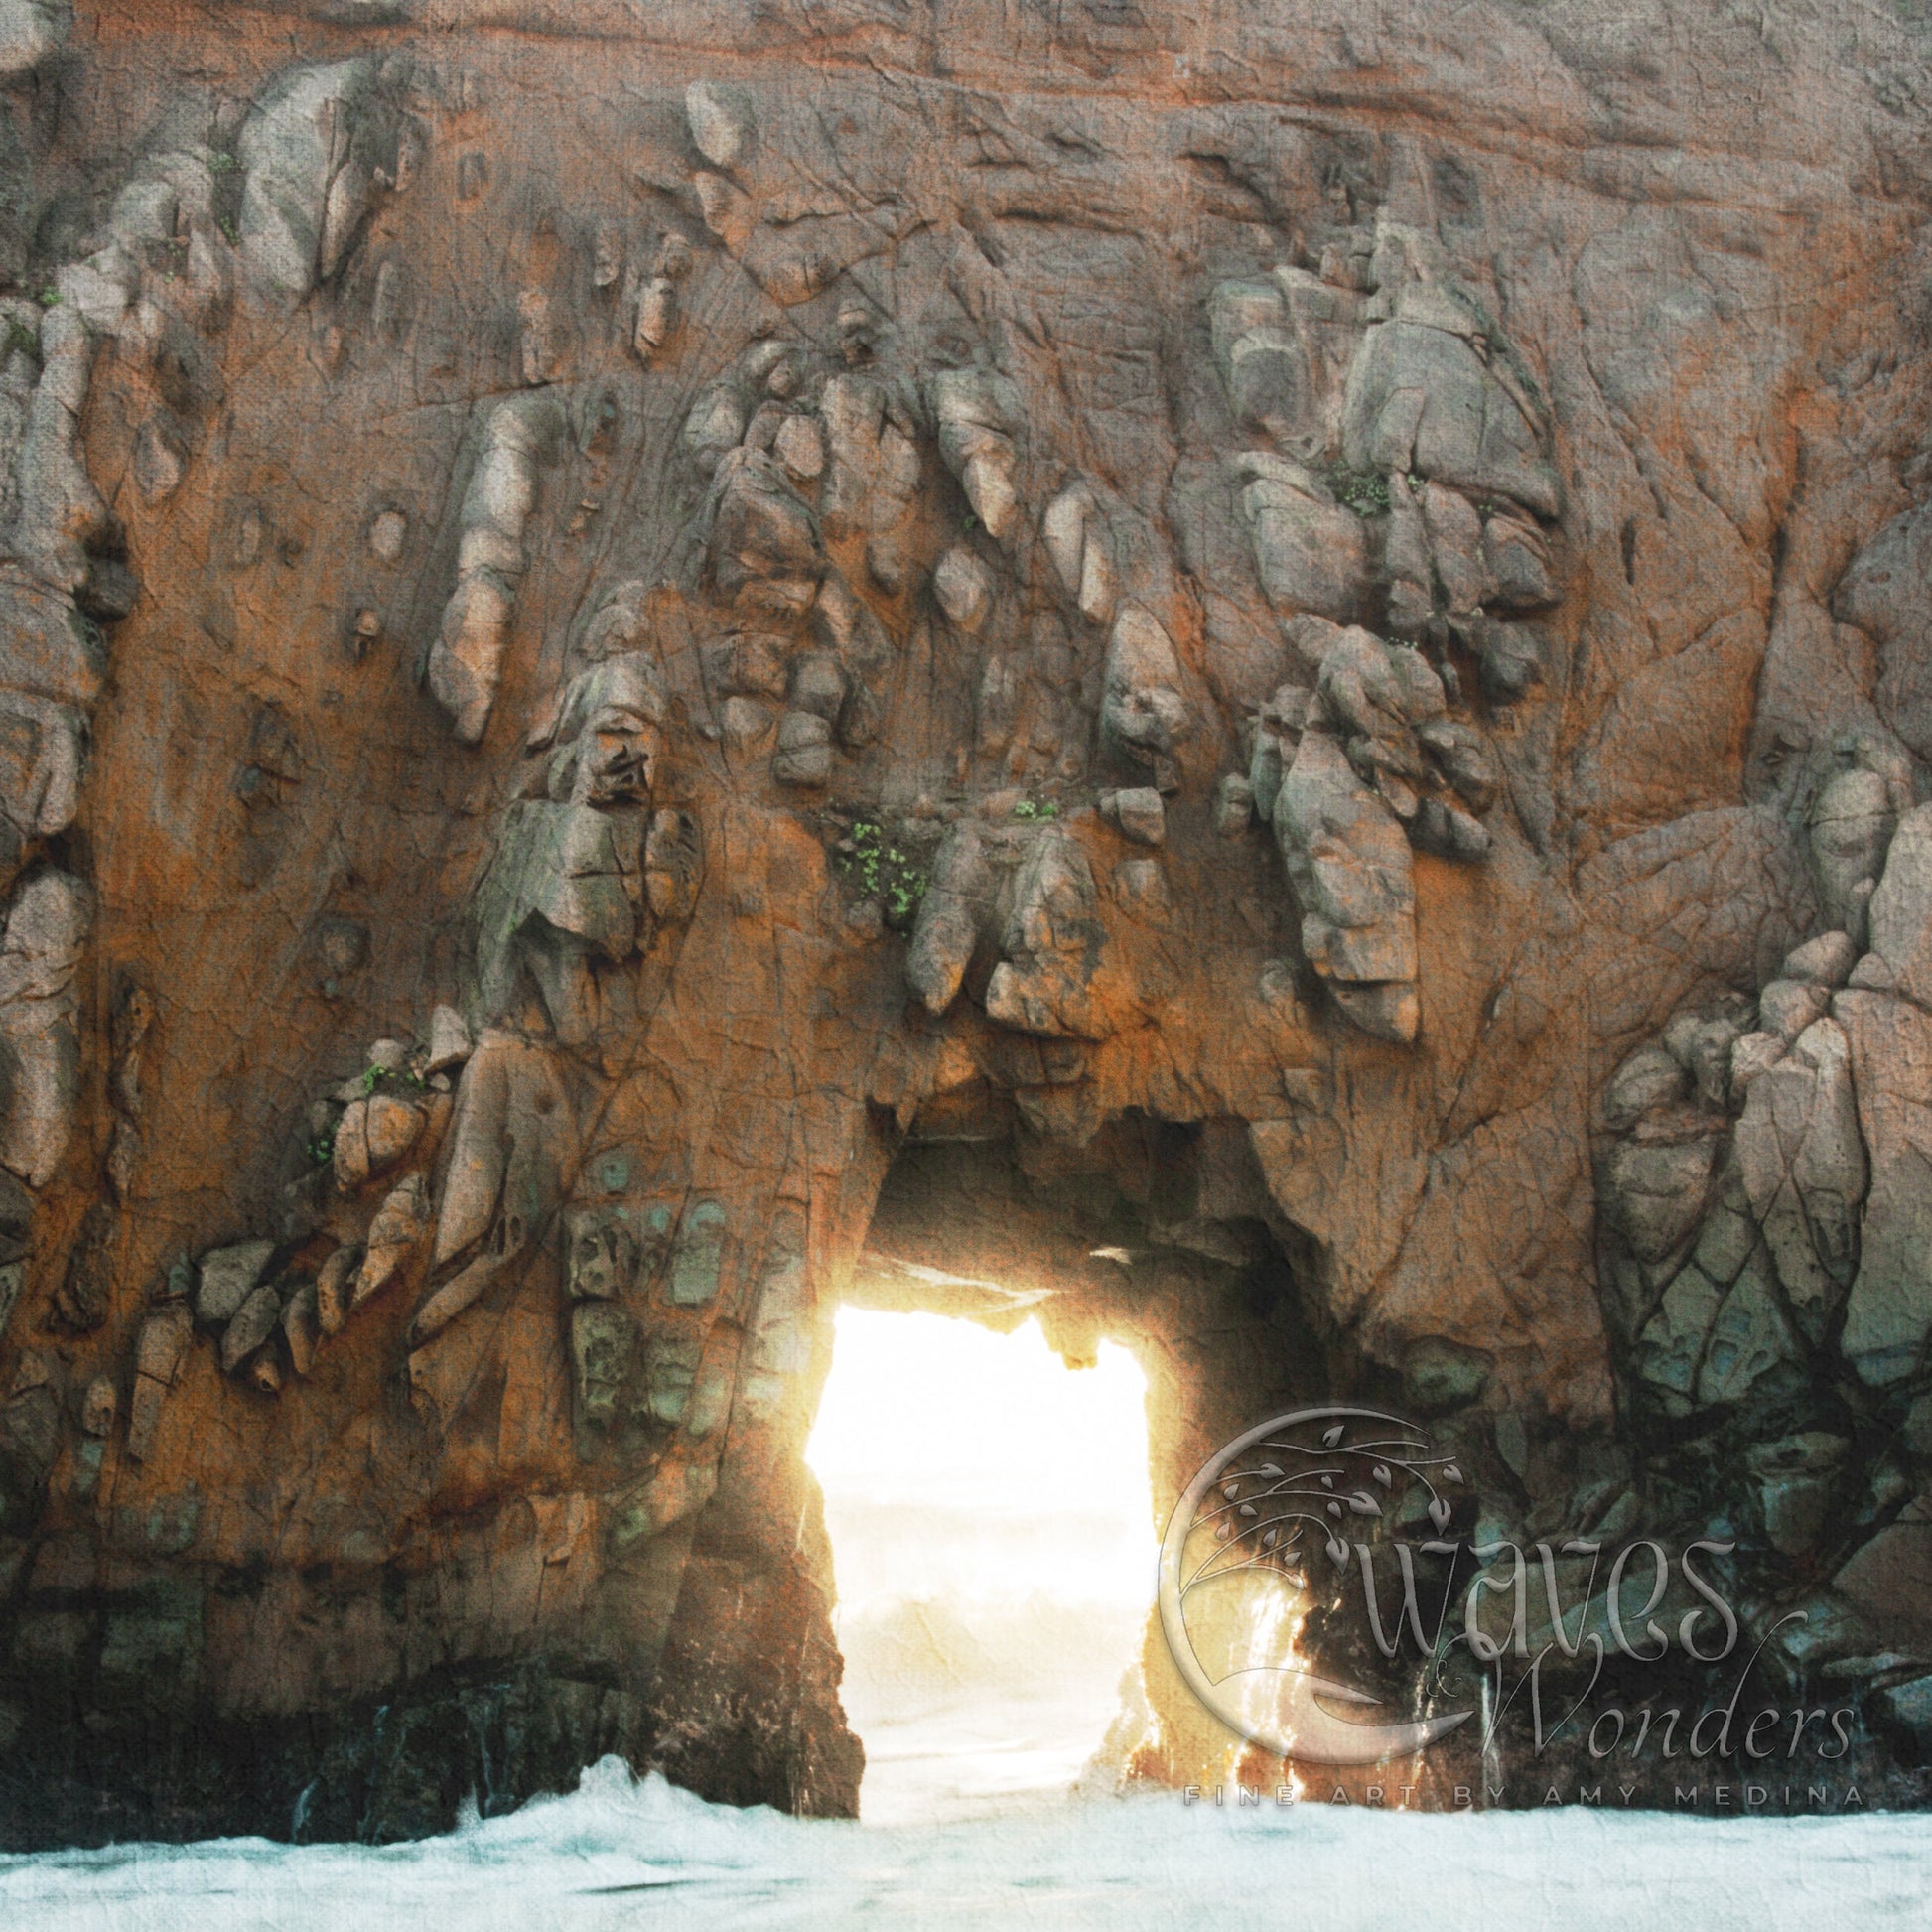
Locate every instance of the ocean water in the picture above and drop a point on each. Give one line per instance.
(983, 1671)
(619, 1852)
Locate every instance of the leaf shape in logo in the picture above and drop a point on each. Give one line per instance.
(1330, 1437)
(1269, 1538)
(1439, 1512)
(1363, 1504)
(1450, 1473)
(1248, 1509)
(1334, 1509)
(1327, 1482)
(1339, 1552)
(1381, 1474)
(1268, 1470)
(1231, 1491)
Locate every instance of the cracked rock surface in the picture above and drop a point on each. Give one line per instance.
(657, 674)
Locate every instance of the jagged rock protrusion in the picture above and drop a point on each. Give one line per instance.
(466, 663)
(1144, 710)
(321, 148)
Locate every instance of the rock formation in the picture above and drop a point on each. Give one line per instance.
(1264, 667)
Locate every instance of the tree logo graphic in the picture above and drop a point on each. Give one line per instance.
(1260, 1514)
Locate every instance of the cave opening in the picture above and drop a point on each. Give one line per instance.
(1039, 1344)
(989, 1510)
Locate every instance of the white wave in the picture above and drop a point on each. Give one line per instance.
(618, 1853)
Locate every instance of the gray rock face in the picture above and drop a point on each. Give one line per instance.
(319, 151)
(40, 952)
(1052, 942)
(1349, 866)
(1144, 712)
(1890, 1310)
(31, 30)
(1309, 552)
(1901, 908)
(1804, 1170)
(1424, 400)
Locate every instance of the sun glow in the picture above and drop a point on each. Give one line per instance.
(993, 1540)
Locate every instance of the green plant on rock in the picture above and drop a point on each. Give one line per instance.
(903, 896)
(881, 869)
(321, 1148)
(862, 863)
(1361, 490)
(406, 1077)
(1036, 809)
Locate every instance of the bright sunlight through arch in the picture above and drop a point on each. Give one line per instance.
(993, 1539)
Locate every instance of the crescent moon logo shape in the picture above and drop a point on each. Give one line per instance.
(1296, 1725)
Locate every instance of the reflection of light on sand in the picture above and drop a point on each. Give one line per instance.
(992, 1534)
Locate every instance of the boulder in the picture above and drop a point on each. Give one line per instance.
(1139, 812)
(1654, 1192)
(1309, 552)
(1349, 866)
(963, 589)
(1075, 535)
(320, 149)
(1824, 961)
(401, 1224)
(721, 121)
(1804, 1169)
(980, 418)
(955, 916)
(1144, 713)
(254, 1322)
(1852, 827)
(449, 1040)
(1902, 906)
(1260, 362)
(1053, 943)
(1651, 1079)
(46, 927)
(1888, 1310)
(225, 1277)
(30, 30)
(1421, 398)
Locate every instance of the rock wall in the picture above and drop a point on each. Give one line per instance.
(1264, 666)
